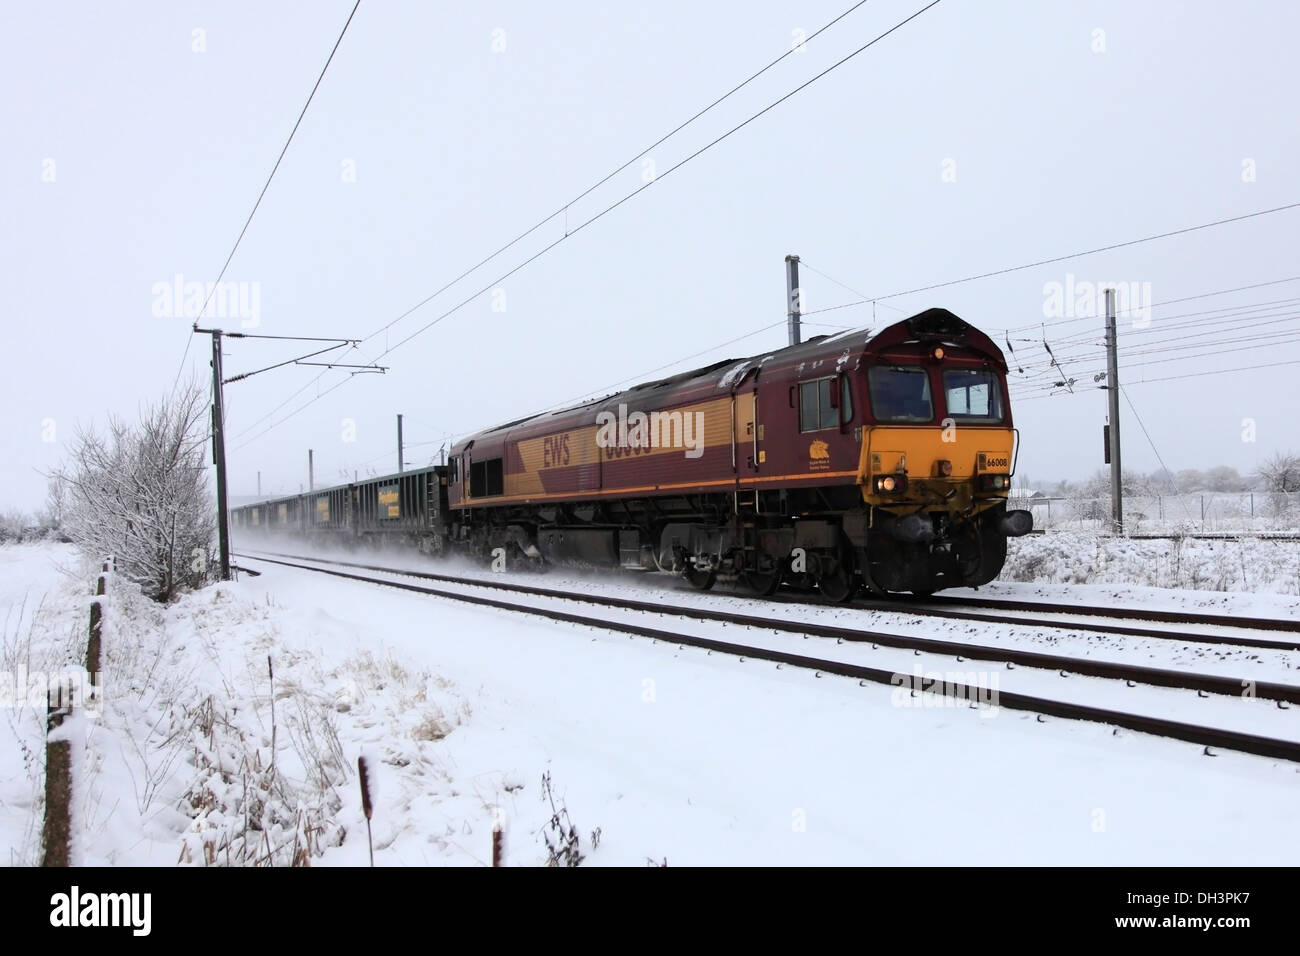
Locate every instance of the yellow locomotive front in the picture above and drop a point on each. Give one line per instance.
(938, 453)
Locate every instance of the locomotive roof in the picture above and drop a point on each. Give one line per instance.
(932, 325)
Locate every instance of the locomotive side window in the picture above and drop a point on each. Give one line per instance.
(815, 409)
(973, 395)
(900, 394)
(486, 478)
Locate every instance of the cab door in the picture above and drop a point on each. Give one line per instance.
(747, 443)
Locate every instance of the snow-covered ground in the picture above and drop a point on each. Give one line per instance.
(672, 753)
(1246, 565)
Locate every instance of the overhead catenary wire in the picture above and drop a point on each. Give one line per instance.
(1019, 399)
(1188, 339)
(1222, 326)
(1059, 323)
(1198, 339)
(563, 210)
(266, 185)
(1038, 392)
(1202, 320)
(866, 298)
(608, 209)
(1064, 258)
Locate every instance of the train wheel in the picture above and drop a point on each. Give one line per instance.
(763, 585)
(701, 580)
(864, 562)
(835, 578)
(764, 582)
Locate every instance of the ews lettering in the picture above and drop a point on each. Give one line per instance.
(555, 451)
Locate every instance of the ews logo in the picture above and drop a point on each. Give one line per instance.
(555, 451)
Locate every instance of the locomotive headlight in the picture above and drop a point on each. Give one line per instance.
(890, 484)
(995, 482)
(938, 353)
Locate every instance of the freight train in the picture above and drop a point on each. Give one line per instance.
(851, 460)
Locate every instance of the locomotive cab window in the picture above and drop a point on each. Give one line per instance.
(816, 410)
(973, 395)
(899, 394)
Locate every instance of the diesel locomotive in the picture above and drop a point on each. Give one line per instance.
(851, 460)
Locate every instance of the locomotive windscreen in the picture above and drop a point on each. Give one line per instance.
(973, 395)
(900, 394)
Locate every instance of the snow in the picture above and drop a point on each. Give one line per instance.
(866, 333)
(672, 753)
(45, 614)
(734, 374)
(1247, 573)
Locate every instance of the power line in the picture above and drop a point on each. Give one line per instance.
(247, 222)
(1188, 338)
(592, 188)
(803, 262)
(1099, 249)
(1151, 442)
(1242, 368)
(608, 209)
(593, 393)
(1065, 258)
(1155, 305)
(565, 208)
(1199, 326)
(1034, 397)
(1216, 317)
(1207, 295)
(1159, 346)
(1042, 391)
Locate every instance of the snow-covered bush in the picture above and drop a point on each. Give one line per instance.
(13, 526)
(140, 494)
(1281, 473)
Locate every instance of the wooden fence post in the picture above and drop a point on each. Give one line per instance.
(57, 833)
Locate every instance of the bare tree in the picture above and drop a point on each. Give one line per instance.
(140, 494)
(1189, 480)
(1224, 478)
(1281, 473)
(50, 518)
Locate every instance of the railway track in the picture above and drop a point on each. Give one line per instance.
(955, 613)
(1124, 613)
(1204, 684)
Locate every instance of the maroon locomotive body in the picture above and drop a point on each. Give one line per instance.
(883, 459)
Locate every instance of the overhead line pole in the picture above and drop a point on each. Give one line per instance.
(219, 456)
(792, 299)
(219, 421)
(1112, 396)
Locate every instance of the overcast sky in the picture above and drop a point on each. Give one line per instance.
(980, 136)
